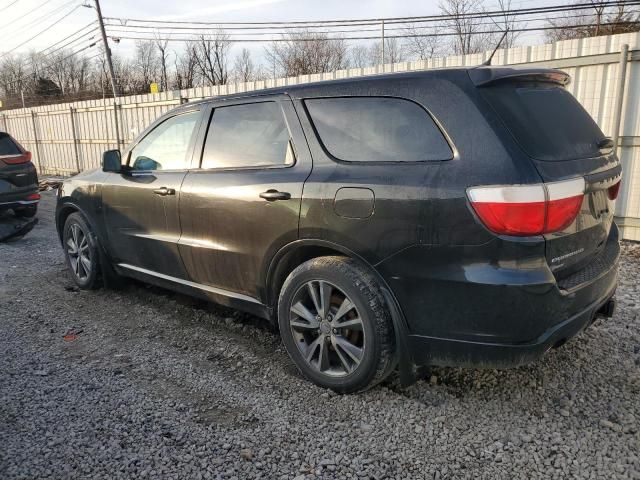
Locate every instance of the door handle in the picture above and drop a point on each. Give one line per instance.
(164, 191)
(273, 195)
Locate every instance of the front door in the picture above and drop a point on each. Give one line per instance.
(141, 204)
(243, 204)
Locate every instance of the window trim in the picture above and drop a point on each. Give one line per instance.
(253, 101)
(445, 136)
(156, 124)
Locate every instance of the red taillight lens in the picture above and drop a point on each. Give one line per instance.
(33, 196)
(613, 191)
(16, 159)
(524, 210)
(512, 218)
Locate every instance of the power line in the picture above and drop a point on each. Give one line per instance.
(388, 20)
(41, 32)
(11, 4)
(201, 30)
(36, 21)
(29, 12)
(377, 37)
(56, 62)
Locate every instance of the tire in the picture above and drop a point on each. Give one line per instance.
(81, 252)
(351, 352)
(26, 212)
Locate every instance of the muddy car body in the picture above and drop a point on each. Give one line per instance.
(449, 217)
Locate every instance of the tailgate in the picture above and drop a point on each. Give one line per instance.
(563, 142)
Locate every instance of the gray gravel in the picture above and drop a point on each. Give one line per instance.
(157, 385)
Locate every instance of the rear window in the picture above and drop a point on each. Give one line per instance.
(546, 120)
(377, 129)
(8, 146)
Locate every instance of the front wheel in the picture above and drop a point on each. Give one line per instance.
(335, 324)
(81, 252)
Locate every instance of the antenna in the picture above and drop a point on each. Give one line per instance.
(487, 62)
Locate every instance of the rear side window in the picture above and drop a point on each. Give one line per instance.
(377, 129)
(8, 146)
(546, 120)
(247, 135)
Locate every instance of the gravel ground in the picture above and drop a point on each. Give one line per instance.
(156, 385)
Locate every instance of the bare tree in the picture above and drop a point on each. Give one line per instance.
(163, 56)
(393, 52)
(305, 52)
(244, 69)
(598, 19)
(359, 56)
(145, 64)
(185, 65)
(466, 27)
(422, 46)
(507, 23)
(212, 52)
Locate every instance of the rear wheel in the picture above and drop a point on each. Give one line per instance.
(335, 325)
(26, 212)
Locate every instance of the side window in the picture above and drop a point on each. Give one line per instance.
(247, 135)
(167, 145)
(377, 129)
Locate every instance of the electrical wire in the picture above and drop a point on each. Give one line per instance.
(36, 21)
(377, 21)
(11, 22)
(377, 37)
(40, 33)
(200, 30)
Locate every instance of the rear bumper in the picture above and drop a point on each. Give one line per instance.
(18, 200)
(464, 311)
(447, 352)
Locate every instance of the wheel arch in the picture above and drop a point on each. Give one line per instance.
(295, 253)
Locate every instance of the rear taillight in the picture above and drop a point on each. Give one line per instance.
(33, 196)
(16, 159)
(524, 210)
(613, 191)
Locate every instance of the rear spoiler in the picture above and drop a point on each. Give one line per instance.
(485, 76)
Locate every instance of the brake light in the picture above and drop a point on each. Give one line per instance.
(613, 191)
(17, 159)
(33, 196)
(524, 210)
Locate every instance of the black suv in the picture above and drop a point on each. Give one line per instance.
(18, 179)
(447, 217)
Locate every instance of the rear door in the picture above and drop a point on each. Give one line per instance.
(243, 203)
(141, 204)
(17, 174)
(563, 142)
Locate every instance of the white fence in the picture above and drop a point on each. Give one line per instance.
(71, 137)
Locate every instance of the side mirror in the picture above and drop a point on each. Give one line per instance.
(112, 161)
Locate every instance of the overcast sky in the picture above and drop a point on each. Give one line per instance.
(17, 25)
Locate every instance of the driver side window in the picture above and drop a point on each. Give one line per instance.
(166, 147)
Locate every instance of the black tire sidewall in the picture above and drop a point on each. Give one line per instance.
(91, 281)
(366, 371)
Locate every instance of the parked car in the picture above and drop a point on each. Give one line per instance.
(456, 217)
(18, 179)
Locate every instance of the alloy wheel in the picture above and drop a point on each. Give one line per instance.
(327, 328)
(79, 252)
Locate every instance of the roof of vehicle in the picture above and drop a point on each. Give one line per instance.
(480, 76)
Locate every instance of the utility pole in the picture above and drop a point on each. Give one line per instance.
(22, 96)
(107, 50)
(382, 46)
